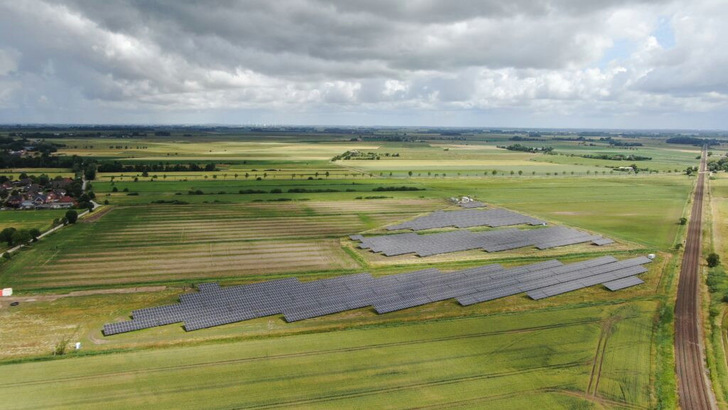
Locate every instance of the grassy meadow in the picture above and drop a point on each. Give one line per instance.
(159, 234)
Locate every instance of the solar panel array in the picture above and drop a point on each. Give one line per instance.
(491, 241)
(467, 218)
(214, 305)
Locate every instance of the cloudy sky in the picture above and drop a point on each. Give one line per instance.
(510, 63)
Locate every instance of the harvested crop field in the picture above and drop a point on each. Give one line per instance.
(163, 243)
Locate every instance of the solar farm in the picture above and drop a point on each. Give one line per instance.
(491, 241)
(214, 305)
(462, 240)
(467, 219)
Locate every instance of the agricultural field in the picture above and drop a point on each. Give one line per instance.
(278, 207)
(549, 356)
(158, 243)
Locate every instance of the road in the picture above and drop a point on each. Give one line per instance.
(694, 387)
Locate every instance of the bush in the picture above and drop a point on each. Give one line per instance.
(71, 216)
(713, 260)
(397, 188)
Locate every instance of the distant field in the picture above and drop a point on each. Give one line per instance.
(642, 209)
(185, 149)
(557, 358)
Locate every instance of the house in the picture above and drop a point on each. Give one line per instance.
(27, 204)
(33, 189)
(14, 200)
(39, 199)
(23, 182)
(63, 203)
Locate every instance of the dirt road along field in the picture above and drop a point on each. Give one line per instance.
(694, 386)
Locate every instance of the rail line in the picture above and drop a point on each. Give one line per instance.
(694, 387)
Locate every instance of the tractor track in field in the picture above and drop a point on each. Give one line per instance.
(301, 354)
(694, 388)
(596, 371)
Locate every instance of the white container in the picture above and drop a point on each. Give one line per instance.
(7, 292)
(651, 256)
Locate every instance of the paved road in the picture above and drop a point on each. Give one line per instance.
(694, 386)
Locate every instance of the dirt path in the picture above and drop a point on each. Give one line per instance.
(693, 384)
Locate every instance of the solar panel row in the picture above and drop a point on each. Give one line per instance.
(491, 241)
(467, 219)
(214, 305)
(472, 204)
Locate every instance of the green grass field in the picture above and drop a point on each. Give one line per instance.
(545, 356)
(29, 219)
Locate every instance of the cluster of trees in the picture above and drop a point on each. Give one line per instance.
(117, 166)
(617, 157)
(523, 148)
(618, 143)
(12, 144)
(397, 188)
(362, 155)
(720, 165)
(692, 141)
(13, 236)
(519, 138)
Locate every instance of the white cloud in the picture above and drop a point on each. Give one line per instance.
(481, 58)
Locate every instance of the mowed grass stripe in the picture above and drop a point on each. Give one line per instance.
(262, 262)
(228, 247)
(334, 221)
(188, 254)
(245, 262)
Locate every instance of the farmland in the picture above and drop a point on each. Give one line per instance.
(545, 356)
(278, 207)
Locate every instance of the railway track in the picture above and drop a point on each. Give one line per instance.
(694, 387)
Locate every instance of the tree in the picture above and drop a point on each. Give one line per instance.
(6, 235)
(35, 233)
(21, 236)
(90, 172)
(71, 216)
(683, 221)
(409, 173)
(713, 260)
